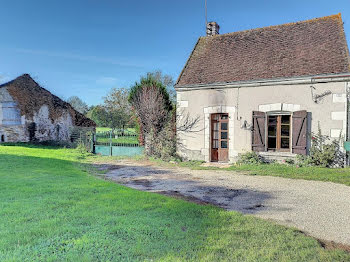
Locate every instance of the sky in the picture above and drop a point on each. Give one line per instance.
(87, 47)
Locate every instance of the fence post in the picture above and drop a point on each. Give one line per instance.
(92, 144)
(110, 143)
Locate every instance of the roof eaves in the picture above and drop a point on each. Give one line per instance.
(265, 81)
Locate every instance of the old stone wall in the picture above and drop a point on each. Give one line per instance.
(46, 129)
(39, 127)
(13, 134)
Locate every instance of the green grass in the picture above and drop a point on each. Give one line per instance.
(335, 175)
(130, 140)
(107, 129)
(53, 209)
(103, 129)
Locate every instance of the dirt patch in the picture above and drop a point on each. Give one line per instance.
(255, 207)
(178, 195)
(332, 245)
(107, 167)
(142, 182)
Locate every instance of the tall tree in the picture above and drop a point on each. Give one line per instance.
(78, 104)
(166, 80)
(118, 108)
(99, 115)
(150, 101)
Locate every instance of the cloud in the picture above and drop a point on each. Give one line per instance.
(106, 80)
(87, 58)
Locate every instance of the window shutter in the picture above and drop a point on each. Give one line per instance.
(299, 126)
(258, 132)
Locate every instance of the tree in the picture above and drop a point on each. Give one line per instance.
(166, 80)
(150, 101)
(99, 115)
(118, 108)
(78, 104)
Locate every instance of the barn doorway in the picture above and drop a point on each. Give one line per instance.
(219, 137)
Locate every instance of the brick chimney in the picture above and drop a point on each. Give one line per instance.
(212, 28)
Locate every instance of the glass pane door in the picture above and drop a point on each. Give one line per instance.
(219, 137)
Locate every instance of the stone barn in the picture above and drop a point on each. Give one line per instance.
(29, 112)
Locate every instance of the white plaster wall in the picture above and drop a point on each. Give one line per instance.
(330, 112)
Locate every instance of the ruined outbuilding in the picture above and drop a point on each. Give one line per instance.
(29, 112)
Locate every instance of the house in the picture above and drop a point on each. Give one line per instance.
(29, 112)
(264, 89)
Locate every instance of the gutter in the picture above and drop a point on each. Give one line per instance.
(345, 77)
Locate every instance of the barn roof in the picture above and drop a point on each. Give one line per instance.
(30, 97)
(312, 47)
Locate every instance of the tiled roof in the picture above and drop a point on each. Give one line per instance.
(30, 97)
(312, 47)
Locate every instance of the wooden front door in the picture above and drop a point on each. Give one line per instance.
(219, 137)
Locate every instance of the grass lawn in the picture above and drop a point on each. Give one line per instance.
(103, 129)
(53, 209)
(335, 175)
(107, 129)
(130, 136)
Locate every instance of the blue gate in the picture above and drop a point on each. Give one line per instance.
(117, 143)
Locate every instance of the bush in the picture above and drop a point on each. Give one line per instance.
(324, 152)
(250, 158)
(289, 161)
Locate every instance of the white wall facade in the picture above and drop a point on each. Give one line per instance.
(329, 112)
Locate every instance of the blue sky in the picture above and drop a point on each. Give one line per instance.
(87, 47)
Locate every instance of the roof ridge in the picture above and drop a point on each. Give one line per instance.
(335, 16)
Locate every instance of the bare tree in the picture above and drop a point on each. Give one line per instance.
(78, 104)
(152, 113)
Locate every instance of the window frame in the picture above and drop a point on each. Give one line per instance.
(278, 131)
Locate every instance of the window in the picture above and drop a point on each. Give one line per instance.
(11, 114)
(278, 132)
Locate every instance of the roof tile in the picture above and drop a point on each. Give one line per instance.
(312, 47)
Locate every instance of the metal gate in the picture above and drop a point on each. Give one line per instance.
(117, 143)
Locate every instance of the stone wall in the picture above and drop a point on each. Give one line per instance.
(17, 128)
(13, 134)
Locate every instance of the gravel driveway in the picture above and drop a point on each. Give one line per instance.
(320, 209)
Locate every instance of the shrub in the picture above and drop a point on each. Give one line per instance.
(250, 158)
(324, 152)
(289, 161)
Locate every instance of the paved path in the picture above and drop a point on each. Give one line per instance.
(320, 209)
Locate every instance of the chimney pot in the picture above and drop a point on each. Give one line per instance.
(212, 28)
